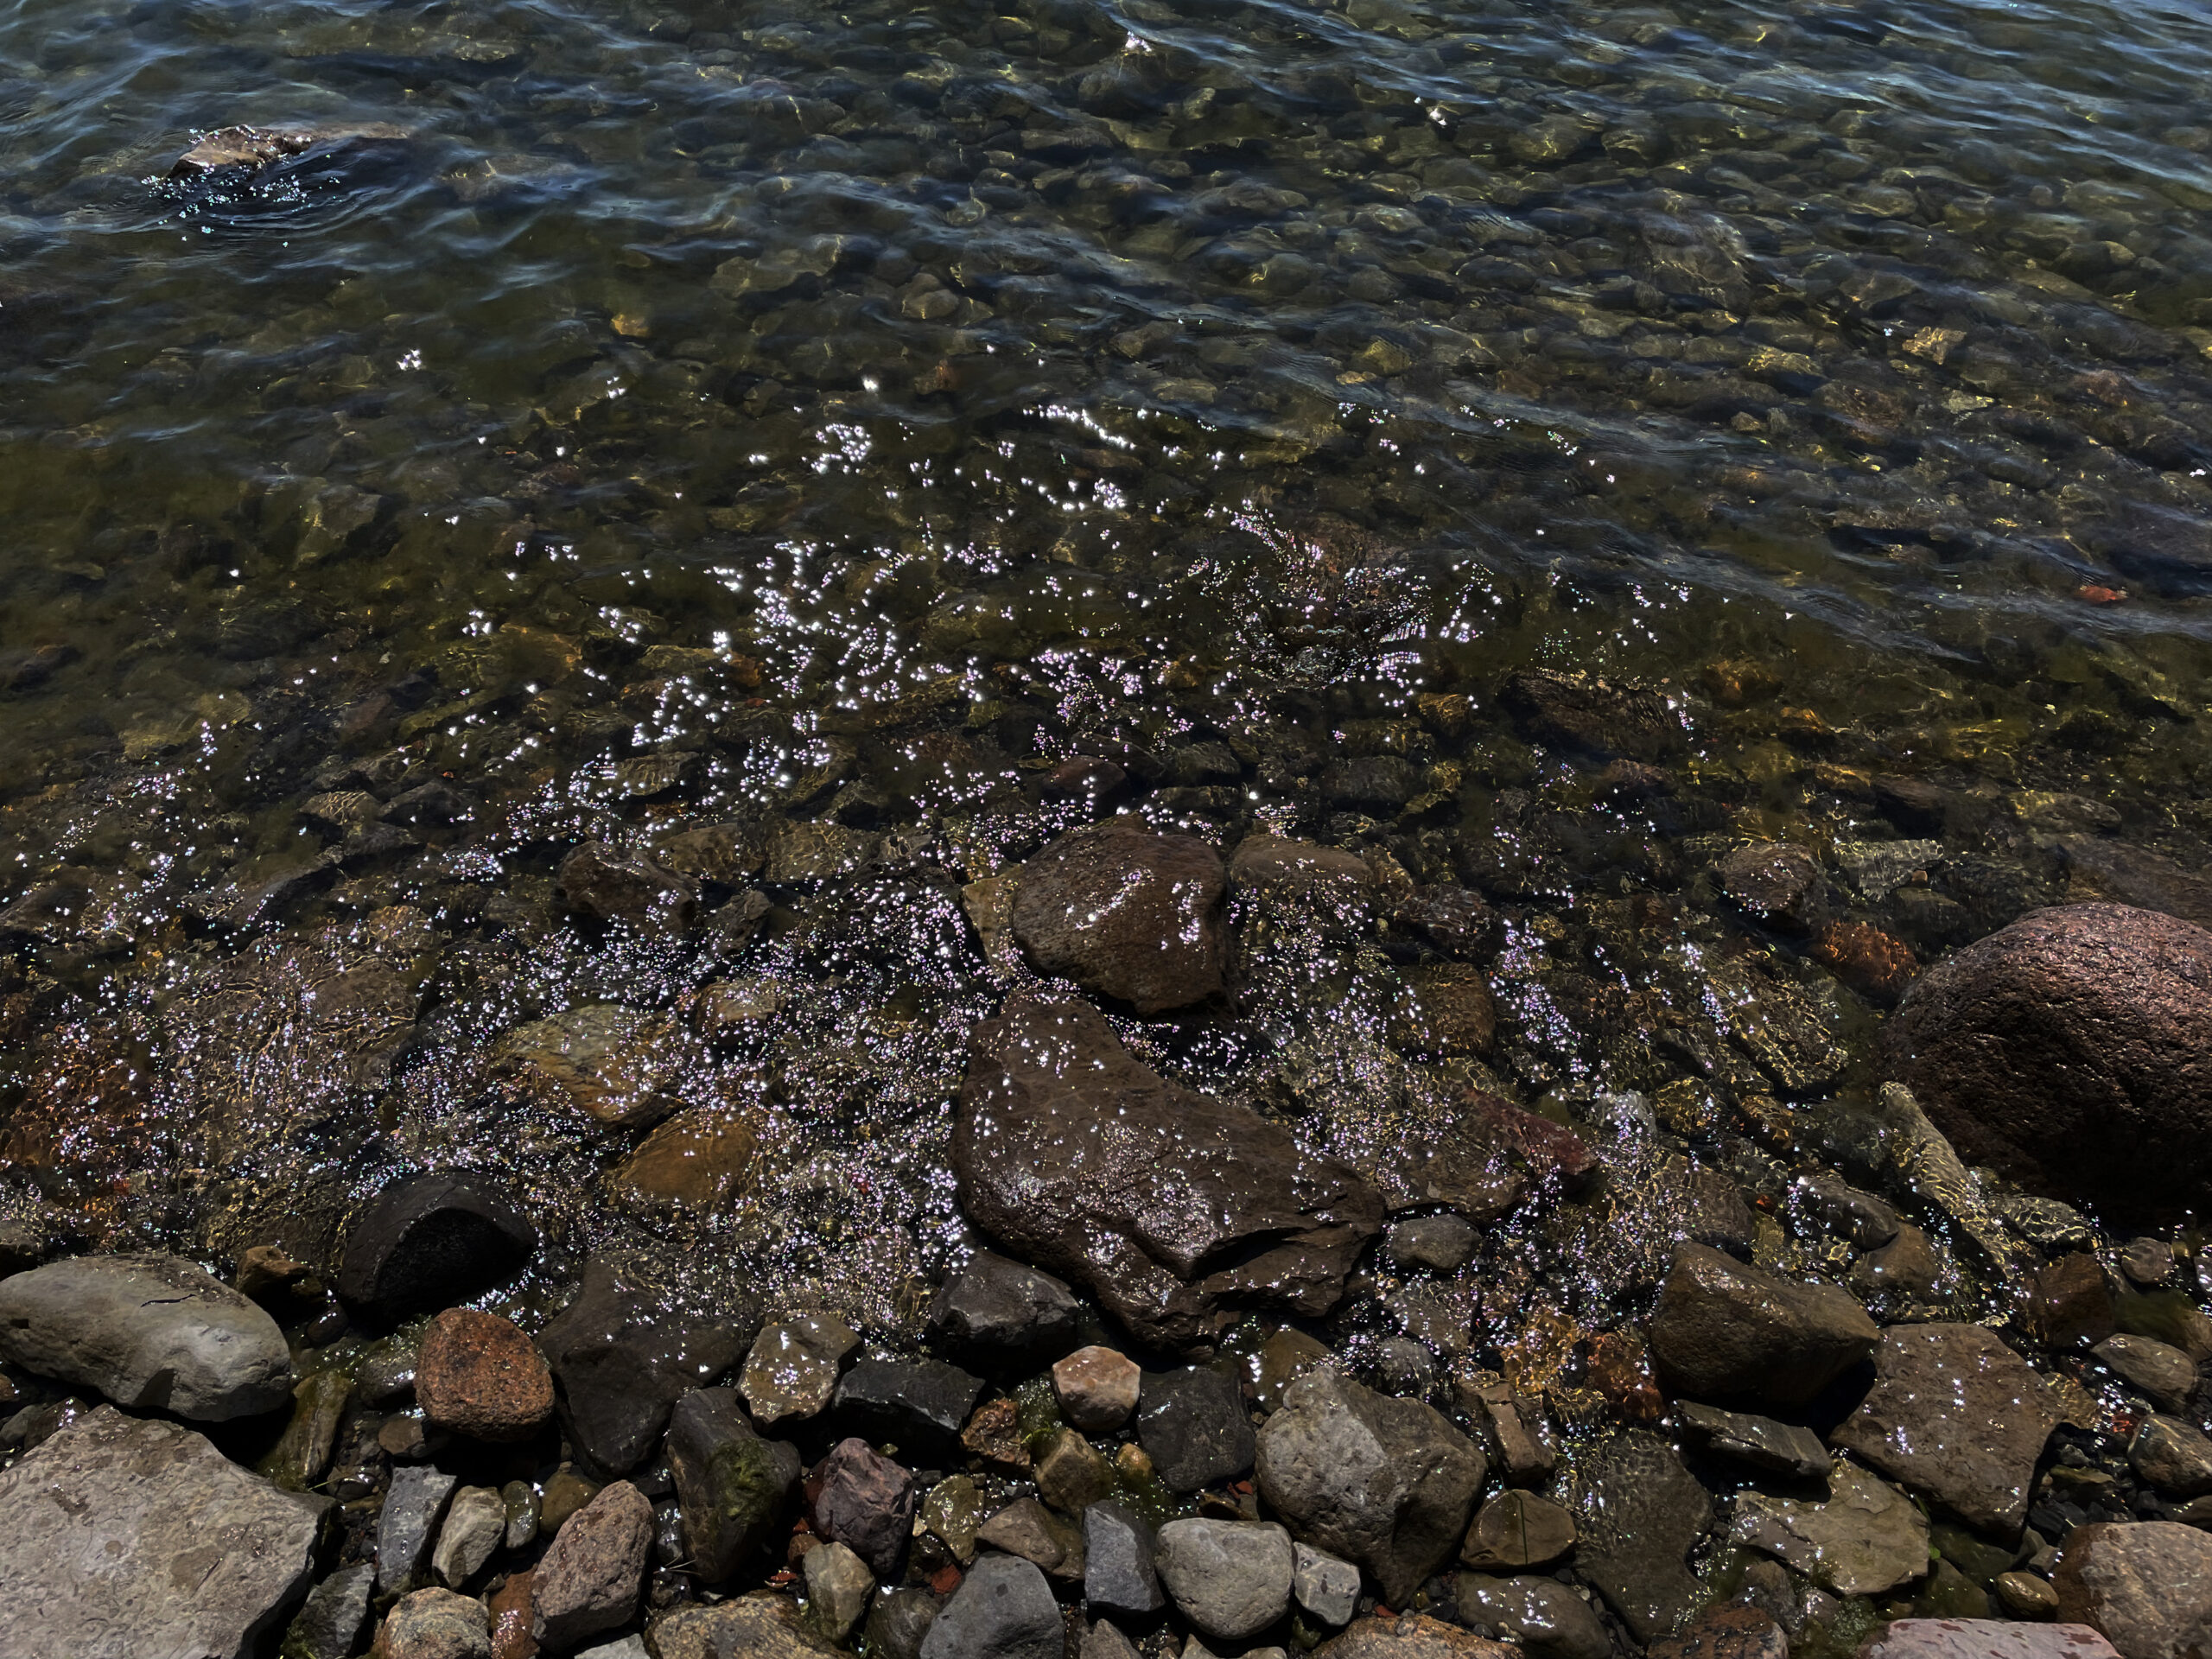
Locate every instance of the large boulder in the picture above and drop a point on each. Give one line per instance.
(153, 1332)
(1176, 1210)
(2072, 1051)
(1387, 1483)
(1127, 913)
(2145, 1586)
(125, 1538)
(1726, 1331)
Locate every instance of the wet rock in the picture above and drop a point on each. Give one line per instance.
(1545, 1617)
(590, 1576)
(838, 1586)
(413, 1507)
(1071, 1473)
(1957, 1416)
(899, 1622)
(952, 1514)
(994, 1434)
(1000, 1316)
(510, 1607)
(1137, 1215)
(2025, 1596)
(1724, 1330)
(1328, 886)
(1575, 711)
(1192, 1425)
(1232, 1579)
(566, 1493)
(153, 1332)
(793, 1368)
(621, 1068)
(1097, 1389)
(622, 1360)
(1865, 1538)
(745, 1627)
(328, 1624)
(603, 883)
(1388, 1483)
(478, 1375)
(1775, 884)
(1907, 1268)
(520, 1500)
(1480, 1155)
(1515, 1429)
(1638, 1511)
(232, 152)
(1002, 1610)
(2085, 1027)
(475, 1522)
(1986, 1638)
(1761, 1442)
(1412, 1636)
(2171, 1456)
(1325, 1586)
(2163, 1372)
(1028, 1529)
(919, 1405)
(1515, 1531)
(734, 1487)
(1445, 1010)
(696, 1161)
(435, 1624)
(1442, 1244)
(2146, 1586)
(2071, 1301)
(427, 1241)
(1727, 1633)
(865, 1501)
(1126, 914)
(126, 1536)
(1869, 961)
(2146, 1263)
(1119, 1578)
(1452, 919)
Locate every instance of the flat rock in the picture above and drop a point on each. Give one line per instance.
(1737, 1632)
(1442, 1244)
(1119, 1577)
(1515, 1531)
(1986, 1638)
(590, 1576)
(477, 1374)
(621, 1068)
(1865, 1538)
(1232, 1579)
(1079, 1158)
(1002, 1610)
(1575, 710)
(1388, 1484)
(2146, 1586)
(1724, 1330)
(414, 1504)
(793, 1368)
(126, 1538)
(1327, 885)
(1761, 1442)
(153, 1332)
(916, 1405)
(1026, 1529)
(1192, 1425)
(1638, 1512)
(1000, 1316)
(1413, 1635)
(1544, 1616)
(1957, 1416)
(734, 1487)
(1127, 913)
(603, 883)
(427, 1241)
(1774, 883)
(2163, 1372)
(865, 1501)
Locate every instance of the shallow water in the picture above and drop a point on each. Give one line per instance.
(657, 396)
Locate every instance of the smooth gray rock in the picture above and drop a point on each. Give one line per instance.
(1637, 1513)
(1388, 1484)
(1118, 1574)
(413, 1506)
(1546, 1617)
(1002, 1610)
(1192, 1425)
(153, 1332)
(1325, 1586)
(1232, 1579)
(126, 1539)
(476, 1521)
(329, 1622)
(1785, 1448)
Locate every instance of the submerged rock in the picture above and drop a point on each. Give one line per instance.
(1127, 913)
(2146, 1586)
(1174, 1209)
(427, 1241)
(1864, 1538)
(1544, 1616)
(236, 151)
(1575, 711)
(1638, 1513)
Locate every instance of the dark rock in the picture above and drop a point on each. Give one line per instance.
(1864, 1538)
(408, 1524)
(1084, 776)
(1118, 1575)
(229, 153)
(2163, 1372)
(2071, 1301)
(1000, 1316)
(477, 1374)
(1639, 1513)
(1784, 1448)
(1442, 1244)
(1071, 1473)
(899, 1622)
(1333, 887)
(1727, 1633)
(1190, 1210)
(2146, 1263)
(1957, 1416)
(1515, 1531)
(1026, 1529)
(2171, 1456)
(427, 1241)
(27, 670)
(1724, 1330)
(1841, 1209)
(918, 1405)
(1453, 919)
(865, 1502)
(328, 1624)
(590, 1576)
(1372, 783)
(1545, 1617)
(2146, 1587)
(1388, 1483)
(1775, 884)
(2072, 1051)
(1230, 1579)
(1574, 711)
(736, 1488)
(1126, 914)
(607, 884)
(1988, 1638)
(1002, 1610)
(1481, 1155)
(622, 1361)
(1192, 1425)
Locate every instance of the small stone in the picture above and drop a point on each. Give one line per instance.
(511, 1619)
(520, 1501)
(1026, 1529)
(2172, 1456)
(1325, 1586)
(1071, 1473)
(406, 1437)
(1865, 1538)
(1877, 965)
(1118, 1574)
(734, 1487)
(1442, 1244)
(1723, 1330)
(435, 1624)
(1774, 883)
(1763, 1443)
(1102, 1641)
(1986, 1638)
(1096, 1388)
(1515, 1429)
(793, 1371)
(2026, 1596)
(427, 1241)
(2070, 1303)
(1907, 1267)
(1230, 1579)
(865, 1501)
(918, 1405)
(952, 1513)
(267, 1275)
(413, 1506)
(328, 1624)
(1413, 1635)
(565, 1494)
(838, 1585)
(1546, 1618)
(1515, 1531)
(994, 1434)
(475, 1522)
(2147, 1263)
(1002, 1610)
(2163, 1372)
(478, 1375)
(1002, 1317)
(1284, 1357)
(899, 1623)
(590, 1576)
(1333, 887)
(1192, 1424)
(301, 1457)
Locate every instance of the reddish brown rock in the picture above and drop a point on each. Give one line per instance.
(478, 1375)
(2146, 1586)
(590, 1576)
(864, 1501)
(1127, 913)
(511, 1620)
(1986, 1638)
(1867, 959)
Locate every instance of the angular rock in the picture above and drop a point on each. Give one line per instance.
(838, 1586)
(1452, 919)
(1784, 1448)
(792, 1371)
(1575, 711)
(328, 1624)
(1102, 1641)
(1028, 1529)
(1517, 1530)
(435, 1624)
(734, 1488)
(1516, 1425)
(916, 1405)
(622, 1361)
(1071, 1473)
(2146, 1586)
(303, 1454)
(1118, 1575)
(1325, 1586)
(1097, 1389)
(952, 1513)
(589, 1578)
(2071, 1051)
(2160, 1371)
(1127, 913)
(477, 1374)
(475, 1522)
(1077, 1157)
(1957, 1416)
(414, 1504)
(1637, 1515)
(127, 1537)
(1000, 1316)
(1002, 1610)
(1442, 1244)
(1412, 1636)
(603, 883)
(1724, 1330)
(1388, 1483)
(1986, 1638)
(1192, 1425)
(2071, 1301)
(1232, 1579)
(1774, 883)
(2172, 1456)
(153, 1332)
(1865, 1538)
(1327, 885)
(427, 1241)
(1544, 1616)
(865, 1502)
(511, 1619)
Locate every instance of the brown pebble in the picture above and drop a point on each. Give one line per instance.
(478, 1375)
(511, 1618)
(566, 1493)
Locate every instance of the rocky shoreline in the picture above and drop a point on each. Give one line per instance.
(1938, 1415)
